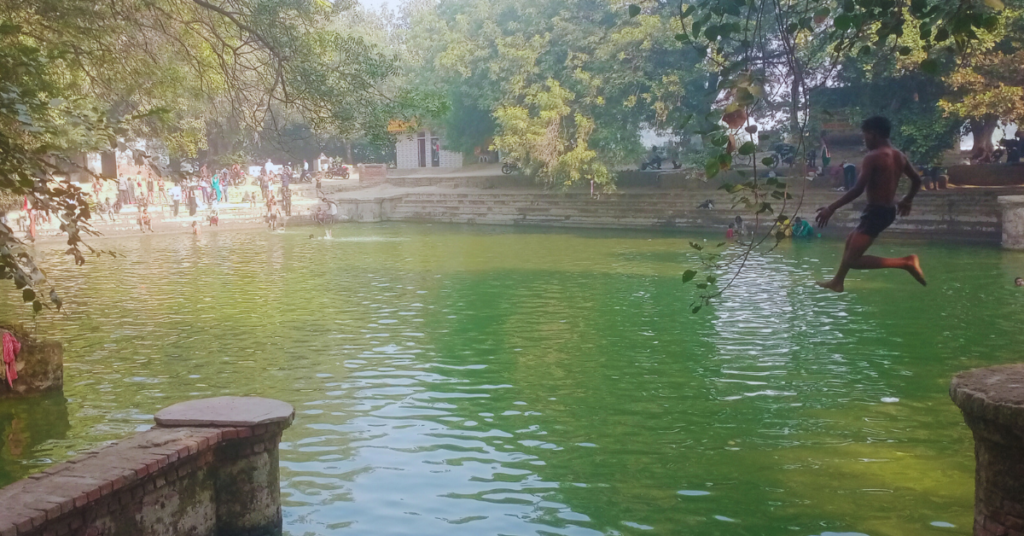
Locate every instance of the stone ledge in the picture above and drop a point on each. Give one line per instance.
(110, 486)
(993, 394)
(226, 411)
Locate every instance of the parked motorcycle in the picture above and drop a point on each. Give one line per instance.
(509, 167)
(783, 153)
(339, 172)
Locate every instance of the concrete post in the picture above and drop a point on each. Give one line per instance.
(247, 478)
(992, 402)
(1013, 221)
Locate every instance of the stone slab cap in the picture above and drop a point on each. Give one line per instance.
(1011, 199)
(226, 411)
(991, 393)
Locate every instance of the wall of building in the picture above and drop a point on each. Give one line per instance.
(407, 152)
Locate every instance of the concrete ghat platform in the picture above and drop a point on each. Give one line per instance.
(963, 214)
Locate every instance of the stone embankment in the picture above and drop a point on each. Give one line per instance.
(961, 214)
(209, 468)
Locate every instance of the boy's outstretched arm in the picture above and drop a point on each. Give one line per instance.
(903, 207)
(825, 213)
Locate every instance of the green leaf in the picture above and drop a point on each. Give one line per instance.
(930, 66)
(995, 4)
(634, 10)
(36, 306)
(686, 121)
(864, 51)
(696, 309)
(702, 286)
(767, 161)
(822, 12)
(28, 295)
(711, 279)
(682, 37)
(904, 51)
(711, 168)
(689, 275)
(689, 10)
(843, 22)
(941, 35)
(747, 148)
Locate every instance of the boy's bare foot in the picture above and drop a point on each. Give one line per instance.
(914, 268)
(831, 285)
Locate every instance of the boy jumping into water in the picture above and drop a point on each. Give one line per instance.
(879, 174)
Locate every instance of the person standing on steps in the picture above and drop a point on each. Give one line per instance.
(880, 174)
(175, 199)
(122, 189)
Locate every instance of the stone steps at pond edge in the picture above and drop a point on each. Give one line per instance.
(956, 214)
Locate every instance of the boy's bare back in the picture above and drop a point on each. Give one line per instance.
(883, 168)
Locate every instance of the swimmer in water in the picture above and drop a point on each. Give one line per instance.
(1019, 282)
(879, 175)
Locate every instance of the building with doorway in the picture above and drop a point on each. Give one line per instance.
(424, 149)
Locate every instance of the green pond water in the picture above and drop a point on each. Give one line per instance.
(454, 380)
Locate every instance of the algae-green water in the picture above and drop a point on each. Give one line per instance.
(453, 380)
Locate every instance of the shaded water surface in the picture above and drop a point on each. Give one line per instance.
(481, 381)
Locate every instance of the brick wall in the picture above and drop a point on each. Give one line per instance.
(166, 481)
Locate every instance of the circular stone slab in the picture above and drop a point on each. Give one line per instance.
(992, 393)
(226, 411)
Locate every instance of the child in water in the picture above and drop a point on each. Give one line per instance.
(730, 233)
(196, 230)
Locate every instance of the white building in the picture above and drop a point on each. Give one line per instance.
(424, 149)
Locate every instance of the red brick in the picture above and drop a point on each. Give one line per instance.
(244, 432)
(106, 488)
(94, 494)
(39, 519)
(153, 466)
(118, 482)
(229, 433)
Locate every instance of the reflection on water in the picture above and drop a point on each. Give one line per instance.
(32, 430)
(473, 381)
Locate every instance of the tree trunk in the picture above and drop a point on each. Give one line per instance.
(795, 102)
(981, 130)
(348, 153)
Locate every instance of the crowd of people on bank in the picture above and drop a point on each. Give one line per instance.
(205, 191)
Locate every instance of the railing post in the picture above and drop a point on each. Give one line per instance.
(247, 483)
(992, 402)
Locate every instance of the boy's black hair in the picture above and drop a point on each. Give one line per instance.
(877, 124)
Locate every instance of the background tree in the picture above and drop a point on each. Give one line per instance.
(79, 75)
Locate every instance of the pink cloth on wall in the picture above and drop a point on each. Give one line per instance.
(11, 349)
